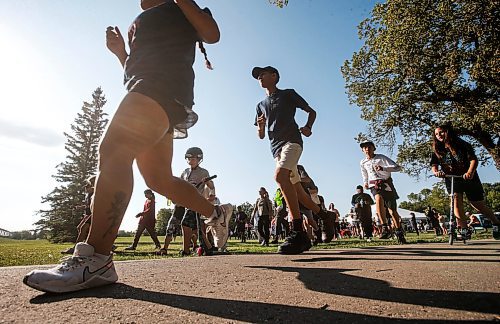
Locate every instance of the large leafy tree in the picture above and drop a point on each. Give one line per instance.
(162, 218)
(427, 62)
(492, 195)
(65, 201)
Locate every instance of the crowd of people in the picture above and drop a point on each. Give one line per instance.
(157, 108)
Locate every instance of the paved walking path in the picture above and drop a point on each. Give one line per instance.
(419, 283)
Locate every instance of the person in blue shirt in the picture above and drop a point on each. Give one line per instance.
(277, 113)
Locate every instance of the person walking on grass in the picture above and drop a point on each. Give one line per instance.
(158, 107)
(264, 208)
(147, 220)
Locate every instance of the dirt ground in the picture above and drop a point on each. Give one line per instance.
(421, 283)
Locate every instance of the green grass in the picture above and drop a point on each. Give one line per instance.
(36, 252)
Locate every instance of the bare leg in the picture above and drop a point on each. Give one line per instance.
(137, 125)
(137, 131)
(282, 177)
(485, 210)
(380, 208)
(187, 233)
(83, 232)
(395, 217)
(459, 209)
(305, 199)
(168, 239)
(155, 167)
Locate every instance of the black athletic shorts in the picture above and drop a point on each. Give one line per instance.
(472, 188)
(181, 117)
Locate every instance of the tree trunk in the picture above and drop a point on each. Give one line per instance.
(493, 148)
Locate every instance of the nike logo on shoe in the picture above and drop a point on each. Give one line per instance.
(87, 274)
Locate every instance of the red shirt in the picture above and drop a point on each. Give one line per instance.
(148, 214)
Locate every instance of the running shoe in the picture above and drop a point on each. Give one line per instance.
(401, 237)
(386, 234)
(130, 248)
(82, 270)
(296, 243)
(496, 232)
(220, 213)
(468, 234)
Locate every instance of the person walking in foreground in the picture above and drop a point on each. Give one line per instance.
(159, 79)
(277, 113)
(147, 220)
(454, 156)
(376, 171)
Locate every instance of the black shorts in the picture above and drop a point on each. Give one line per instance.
(180, 115)
(389, 197)
(190, 219)
(472, 188)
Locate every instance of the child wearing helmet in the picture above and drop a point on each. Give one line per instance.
(195, 175)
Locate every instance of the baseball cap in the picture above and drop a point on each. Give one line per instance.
(359, 187)
(256, 71)
(366, 143)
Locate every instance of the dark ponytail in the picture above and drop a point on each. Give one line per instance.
(204, 52)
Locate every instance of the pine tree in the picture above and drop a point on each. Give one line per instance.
(65, 201)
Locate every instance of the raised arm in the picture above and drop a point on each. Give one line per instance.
(116, 44)
(204, 24)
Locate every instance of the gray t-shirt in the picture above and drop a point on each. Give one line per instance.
(195, 176)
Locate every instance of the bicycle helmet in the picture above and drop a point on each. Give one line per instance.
(194, 152)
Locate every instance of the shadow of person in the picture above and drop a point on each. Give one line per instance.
(338, 282)
(235, 310)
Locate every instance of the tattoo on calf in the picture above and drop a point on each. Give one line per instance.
(116, 212)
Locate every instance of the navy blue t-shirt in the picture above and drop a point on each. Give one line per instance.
(162, 49)
(279, 109)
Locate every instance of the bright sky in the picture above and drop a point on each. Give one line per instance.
(53, 56)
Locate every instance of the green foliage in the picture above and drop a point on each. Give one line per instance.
(279, 3)
(438, 198)
(162, 218)
(424, 63)
(66, 201)
(492, 195)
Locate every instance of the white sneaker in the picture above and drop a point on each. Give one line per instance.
(221, 213)
(80, 271)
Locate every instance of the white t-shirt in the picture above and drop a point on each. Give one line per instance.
(368, 168)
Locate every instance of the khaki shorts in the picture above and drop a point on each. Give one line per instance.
(288, 159)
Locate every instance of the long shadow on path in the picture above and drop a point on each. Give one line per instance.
(253, 312)
(338, 282)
